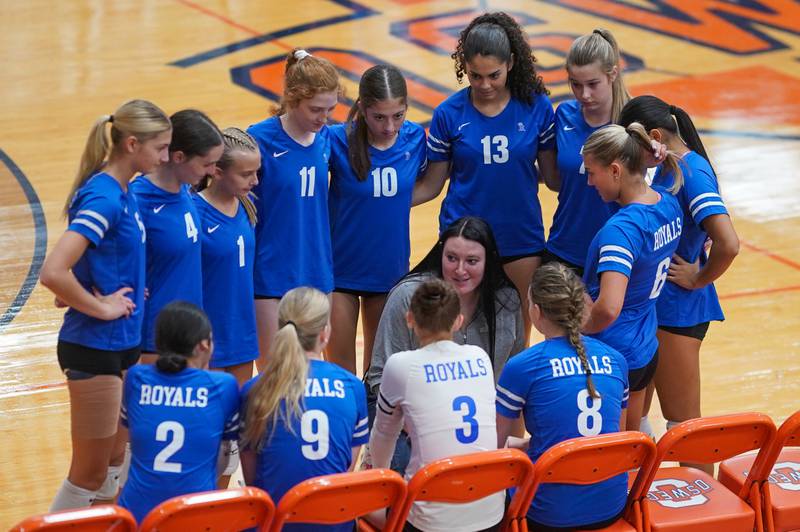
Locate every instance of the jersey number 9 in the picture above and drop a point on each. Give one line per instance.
(314, 430)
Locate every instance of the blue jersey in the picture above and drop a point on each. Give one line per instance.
(493, 174)
(173, 251)
(334, 421)
(699, 197)
(547, 384)
(177, 422)
(293, 238)
(581, 211)
(369, 219)
(109, 219)
(228, 254)
(638, 242)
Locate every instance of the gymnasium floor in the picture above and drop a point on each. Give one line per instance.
(732, 65)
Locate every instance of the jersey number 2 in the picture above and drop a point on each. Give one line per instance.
(164, 429)
(470, 433)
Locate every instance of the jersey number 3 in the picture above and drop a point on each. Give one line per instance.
(470, 433)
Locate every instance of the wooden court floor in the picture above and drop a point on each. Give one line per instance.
(734, 66)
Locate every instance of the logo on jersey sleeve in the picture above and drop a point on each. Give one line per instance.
(677, 493)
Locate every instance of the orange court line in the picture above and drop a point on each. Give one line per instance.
(749, 293)
(774, 256)
(233, 23)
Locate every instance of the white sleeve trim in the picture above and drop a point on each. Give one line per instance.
(93, 226)
(96, 215)
(618, 249)
(437, 141)
(507, 404)
(511, 395)
(438, 150)
(703, 196)
(616, 259)
(707, 204)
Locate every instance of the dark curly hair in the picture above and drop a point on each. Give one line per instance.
(499, 35)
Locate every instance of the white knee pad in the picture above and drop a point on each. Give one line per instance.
(228, 459)
(110, 486)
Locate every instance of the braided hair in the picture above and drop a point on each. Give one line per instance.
(234, 139)
(559, 293)
(499, 35)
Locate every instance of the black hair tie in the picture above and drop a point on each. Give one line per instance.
(290, 322)
(110, 119)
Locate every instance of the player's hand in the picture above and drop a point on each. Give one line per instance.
(684, 273)
(657, 155)
(115, 305)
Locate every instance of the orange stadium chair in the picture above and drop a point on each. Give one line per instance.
(95, 519)
(684, 498)
(774, 474)
(592, 459)
(218, 510)
(341, 497)
(469, 477)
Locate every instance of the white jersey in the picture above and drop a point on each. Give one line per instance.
(444, 394)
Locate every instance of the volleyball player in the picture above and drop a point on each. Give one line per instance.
(466, 257)
(303, 417)
(97, 269)
(177, 413)
(376, 158)
(688, 302)
(227, 217)
(595, 78)
(565, 387)
(444, 394)
(293, 240)
(487, 138)
(628, 260)
(170, 217)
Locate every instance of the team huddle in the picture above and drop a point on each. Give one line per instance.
(190, 247)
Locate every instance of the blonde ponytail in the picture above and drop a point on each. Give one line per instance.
(277, 395)
(138, 118)
(629, 145)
